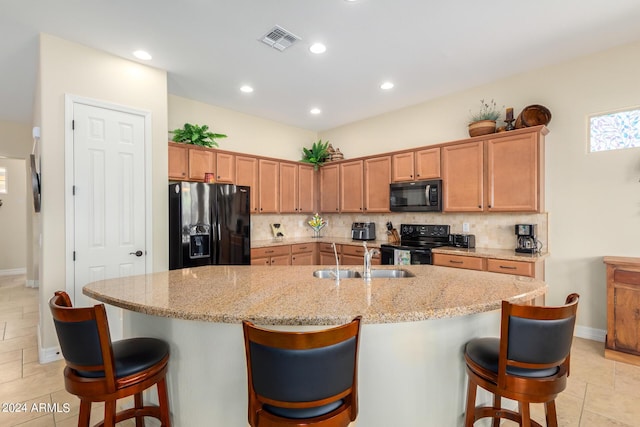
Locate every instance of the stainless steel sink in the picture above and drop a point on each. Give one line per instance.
(331, 274)
(391, 274)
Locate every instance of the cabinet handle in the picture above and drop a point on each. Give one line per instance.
(455, 262)
(303, 248)
(418, 175)
(268, 252)
(506, 267)
(480, 206)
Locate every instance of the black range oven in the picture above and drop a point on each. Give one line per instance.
(416, 242)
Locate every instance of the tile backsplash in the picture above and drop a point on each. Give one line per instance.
(495, 230)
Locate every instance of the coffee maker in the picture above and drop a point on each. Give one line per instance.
(526, 234)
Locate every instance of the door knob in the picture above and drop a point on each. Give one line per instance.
(136, 253)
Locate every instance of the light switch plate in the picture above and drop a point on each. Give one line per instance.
(465, 227)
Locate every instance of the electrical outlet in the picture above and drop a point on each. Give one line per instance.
(465, 227)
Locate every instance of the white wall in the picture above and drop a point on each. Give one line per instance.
(69, 68)
(13, 217)
(245, 133)
(593, 200)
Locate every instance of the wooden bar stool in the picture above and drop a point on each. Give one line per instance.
(529, 363)
(101, 371)
(302, 378)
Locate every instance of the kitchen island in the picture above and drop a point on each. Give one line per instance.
(411, 368)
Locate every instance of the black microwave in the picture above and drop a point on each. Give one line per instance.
(416, 196)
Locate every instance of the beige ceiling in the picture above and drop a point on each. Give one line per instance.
(210, 48)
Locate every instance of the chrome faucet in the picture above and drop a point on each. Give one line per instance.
(335, 252)
(368, 254)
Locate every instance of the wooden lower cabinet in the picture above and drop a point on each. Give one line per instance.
(326, 254)
(354, 255)
(494, 265)
(457, 261)
(623, 309)
(303, 254)
(273, 255)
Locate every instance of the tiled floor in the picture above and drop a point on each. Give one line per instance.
(601, 392)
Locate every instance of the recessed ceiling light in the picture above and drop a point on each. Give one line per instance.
(318, 48)
(386, 86)
(141, 54)
(246, 89)
(315, 111)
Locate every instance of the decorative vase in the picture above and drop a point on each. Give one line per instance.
(482, 127)
(316, 231)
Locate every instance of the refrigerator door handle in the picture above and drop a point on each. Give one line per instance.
(219, 237)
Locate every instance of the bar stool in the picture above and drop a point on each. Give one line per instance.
(529, 363)
(302, 378)
(101, 371)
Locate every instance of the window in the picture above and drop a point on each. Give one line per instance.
(614, 131)
(3, 180)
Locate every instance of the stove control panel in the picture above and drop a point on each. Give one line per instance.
(419, 231)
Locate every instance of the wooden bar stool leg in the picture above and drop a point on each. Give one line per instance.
(110, 413)
(497, 404)
(163, 401)
(525, 413)
(471, 404)
(137, 398)
(85, 413)
(550, 413)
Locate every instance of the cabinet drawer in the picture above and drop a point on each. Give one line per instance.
(519, 268)
(270, 251)
(326, 247)
(302, 248)
(357, 251)
(468, 262)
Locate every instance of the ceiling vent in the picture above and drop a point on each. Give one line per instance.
(279, 38)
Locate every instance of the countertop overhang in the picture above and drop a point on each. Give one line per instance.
(288, 295)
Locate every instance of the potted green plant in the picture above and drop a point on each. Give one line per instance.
(196, 135)
(483, 122)
(317, 155)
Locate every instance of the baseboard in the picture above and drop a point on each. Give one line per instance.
(13, 271)
(33, 284)
(590, 333)
(47, 355)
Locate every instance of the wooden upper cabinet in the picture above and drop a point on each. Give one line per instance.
(201, 161)
(427, 164)
(330, 188)
(225, 168)
(288, 187)
(462, 175)
(377, 177)
(247, 174)
(178, 161)
(306, 189)
(268, 198)
(351, 186)
(403, 167)
(513, 174)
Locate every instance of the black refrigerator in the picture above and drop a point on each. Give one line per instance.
(209, 224)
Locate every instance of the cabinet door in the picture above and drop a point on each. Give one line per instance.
(306, 189)
(427, 163)
(247, 174)
(261, 261)
(352, 260)
(288, 187)
(178, 162)
(225, 168)
(305, 258)
(330, 188)
(513, 174)
(201, 161)
(351, 186)
(327, 258)
(377, 177)
(268, 176)
(281, 260)
(403, 167)
(462, 175)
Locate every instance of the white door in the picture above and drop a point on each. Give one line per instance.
(109, 200)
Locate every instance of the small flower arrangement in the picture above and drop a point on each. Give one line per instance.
(488, 111)
(317, 223)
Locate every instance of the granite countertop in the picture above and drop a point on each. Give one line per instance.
(506, 254)
(291, 295)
